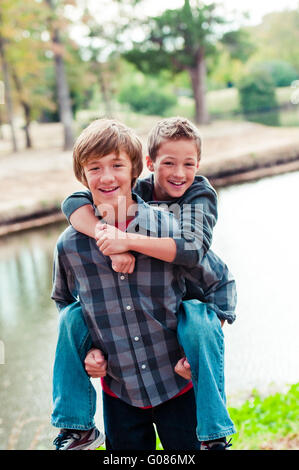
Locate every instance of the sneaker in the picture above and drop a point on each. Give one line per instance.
(70, 439)
(220, 444)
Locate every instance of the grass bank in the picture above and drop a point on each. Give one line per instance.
(268, 423)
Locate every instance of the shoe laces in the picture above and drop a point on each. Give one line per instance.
(220, 445)
(63, 437)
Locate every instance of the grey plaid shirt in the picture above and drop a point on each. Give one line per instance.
(132, 318)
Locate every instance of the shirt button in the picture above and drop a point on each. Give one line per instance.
(122, 277)
(136, 338)
(128, 307)
(143, 366)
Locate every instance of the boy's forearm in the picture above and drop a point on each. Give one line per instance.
(84, 220)
(160, 248)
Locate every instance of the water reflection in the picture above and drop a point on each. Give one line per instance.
(28, 326)
(258, 235)
(28, 329)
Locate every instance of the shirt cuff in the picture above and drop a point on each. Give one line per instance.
(185, 257)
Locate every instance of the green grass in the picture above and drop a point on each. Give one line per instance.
(261, 420)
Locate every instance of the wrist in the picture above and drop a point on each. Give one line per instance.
(133, 239)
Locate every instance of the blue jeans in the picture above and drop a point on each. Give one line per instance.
(74, 396)
(200, 335)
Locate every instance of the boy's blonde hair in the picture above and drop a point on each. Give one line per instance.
(173, 128)
(102, 137)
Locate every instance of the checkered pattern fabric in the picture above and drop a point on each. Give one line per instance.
(132, 318)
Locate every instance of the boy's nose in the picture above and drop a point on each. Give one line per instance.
(106, 176)
(179, 172)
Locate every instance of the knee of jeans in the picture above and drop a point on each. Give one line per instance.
(200, 321)
(71, 318)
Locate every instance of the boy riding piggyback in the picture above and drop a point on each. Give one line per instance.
(174, 150)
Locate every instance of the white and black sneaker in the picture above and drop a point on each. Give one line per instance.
(71, 439)
(218, 444)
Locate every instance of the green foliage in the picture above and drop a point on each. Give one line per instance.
(257, 93)
(266, 418)
(239, 44)
(147, 98)
(282, 73)
(277, 37)
(172, 40)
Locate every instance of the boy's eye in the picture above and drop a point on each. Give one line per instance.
(168, 163)
(117, 165)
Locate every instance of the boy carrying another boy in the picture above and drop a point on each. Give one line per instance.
(128, 324)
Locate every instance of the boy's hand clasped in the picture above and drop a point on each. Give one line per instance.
(112, 242)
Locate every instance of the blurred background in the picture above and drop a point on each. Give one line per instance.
(233, 69)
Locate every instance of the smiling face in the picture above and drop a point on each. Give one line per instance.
(175, 167)
(109, 179)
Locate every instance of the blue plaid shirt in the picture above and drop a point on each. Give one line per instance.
(197, 207)
(132, 318)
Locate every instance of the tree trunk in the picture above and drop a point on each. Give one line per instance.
(26, 107)
(64, 101)
(7, 94)
(198, 79)
(104, 90)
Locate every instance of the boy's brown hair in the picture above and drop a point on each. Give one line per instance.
(173, 128)
(102, 137)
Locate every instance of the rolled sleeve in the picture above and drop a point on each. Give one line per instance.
(74, 201)
(63, 291)
(197, 221)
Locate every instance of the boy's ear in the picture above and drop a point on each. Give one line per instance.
(149, 163)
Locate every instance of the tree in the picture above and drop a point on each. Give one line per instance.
(64, 101)
(6, 79)
(23, 64)
(277, 37)
(182, 39)
(7, 88)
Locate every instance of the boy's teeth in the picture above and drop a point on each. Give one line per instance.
(176, 183)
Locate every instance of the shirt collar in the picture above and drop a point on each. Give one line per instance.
(145, 221)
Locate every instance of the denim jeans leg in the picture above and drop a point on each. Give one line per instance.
(201, 336)
(74, 397)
